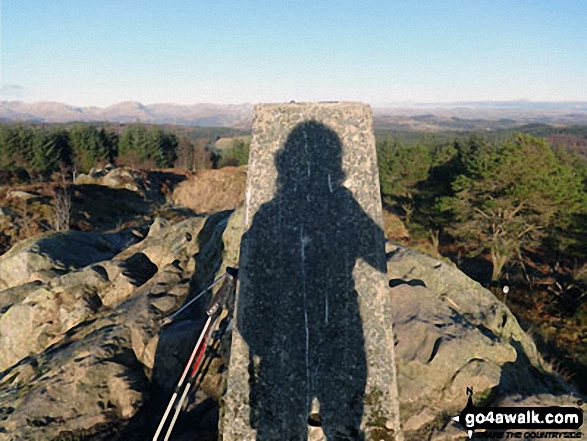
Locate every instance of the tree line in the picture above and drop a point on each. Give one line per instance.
(497, 196)
(38, 150)
(32, 151)
(492, 198)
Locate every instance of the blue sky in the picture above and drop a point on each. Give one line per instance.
(99, 52)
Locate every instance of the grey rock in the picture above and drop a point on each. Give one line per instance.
(113, 177)
(96, 372)
(120, 177)
(138, 269)
(105, 372)
(36, 314)
(17, 294)
(452, 334)
(156, 226)
(27, 260)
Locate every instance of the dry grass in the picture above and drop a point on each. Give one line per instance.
(394, 228)
(210, 191)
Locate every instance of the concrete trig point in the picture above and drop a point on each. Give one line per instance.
(313, 350)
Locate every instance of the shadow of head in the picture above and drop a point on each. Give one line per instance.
(310, 160)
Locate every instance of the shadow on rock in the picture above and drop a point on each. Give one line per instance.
(414, 282)
(522, 378)
(298, 309)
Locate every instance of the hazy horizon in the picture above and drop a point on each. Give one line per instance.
(519, 102)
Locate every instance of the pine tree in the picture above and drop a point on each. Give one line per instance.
(401, 169)
(509, 196)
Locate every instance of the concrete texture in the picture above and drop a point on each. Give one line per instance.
(313, 340)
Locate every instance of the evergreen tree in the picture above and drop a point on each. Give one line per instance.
(9, 146)
(91, 146)
(401, 169)
(148, 148)
(427, 220)
(16, 147)
(508, 197)
(126, 141)
(50, 148)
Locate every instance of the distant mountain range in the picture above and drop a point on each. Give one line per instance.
(209, 115)
(421, 117)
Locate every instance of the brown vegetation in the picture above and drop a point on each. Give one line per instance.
(210, 191)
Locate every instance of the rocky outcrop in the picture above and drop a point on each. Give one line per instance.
(153, 185)
(84, 355)
(48, 256)
(452, 334)
(113, 177)
(81, 351)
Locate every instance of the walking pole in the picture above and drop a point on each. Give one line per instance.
(182, 379)
(214, 311)
(169, 319)
(192, 378)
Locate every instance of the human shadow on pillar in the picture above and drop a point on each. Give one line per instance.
(298, 309)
